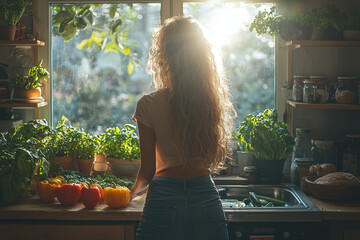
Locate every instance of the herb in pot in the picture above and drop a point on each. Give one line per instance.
(264, 136)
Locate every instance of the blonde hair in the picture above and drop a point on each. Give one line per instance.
(182, 60)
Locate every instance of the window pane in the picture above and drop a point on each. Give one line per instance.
(248, 58)
(99, 55)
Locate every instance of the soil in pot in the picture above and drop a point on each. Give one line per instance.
(269, 171)
(86, 165)
(124, 168)
(65, 162)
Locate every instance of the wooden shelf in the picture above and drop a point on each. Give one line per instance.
(323, 105)
(23, 105)
(21, 43)
(298, 43)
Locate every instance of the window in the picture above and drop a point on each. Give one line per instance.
(98, 70)
(248, 59)
(99, 55)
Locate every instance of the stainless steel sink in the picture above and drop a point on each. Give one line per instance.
(297, 208)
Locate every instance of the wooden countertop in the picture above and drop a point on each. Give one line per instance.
(338, 211)
(34, 209)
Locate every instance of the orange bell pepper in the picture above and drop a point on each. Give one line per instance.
(46, 191)
(116, 196)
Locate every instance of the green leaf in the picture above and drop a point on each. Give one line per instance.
(130, 68)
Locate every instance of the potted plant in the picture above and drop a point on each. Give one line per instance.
(100, 164)
(349, 24)
(85, 150)
(61, 144)
(10, 14)
(268, 141)
(22, 159)
(323, 22)
(269, 22)
(122, 150)
(29, 87)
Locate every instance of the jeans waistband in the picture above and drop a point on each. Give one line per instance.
(184, 184)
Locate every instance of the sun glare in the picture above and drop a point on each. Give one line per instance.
(226, 22)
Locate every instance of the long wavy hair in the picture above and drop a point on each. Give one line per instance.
(183, 60)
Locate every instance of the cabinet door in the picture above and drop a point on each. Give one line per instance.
(66, 231)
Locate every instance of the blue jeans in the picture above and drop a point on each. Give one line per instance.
(182, 209)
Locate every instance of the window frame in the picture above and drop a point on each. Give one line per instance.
(168, 8)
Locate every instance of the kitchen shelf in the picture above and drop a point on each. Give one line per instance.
(21, 43)
(299, 43)
(20, 105)
(296, 44)
(323, 105)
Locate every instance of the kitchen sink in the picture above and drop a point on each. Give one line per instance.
(298, 207)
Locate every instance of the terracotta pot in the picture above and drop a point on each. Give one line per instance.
(27, 93)
(351, 35)
(65, 162)
(124, 168)
(7, 33)
(4, 93)
(85, 165)
(100, 164)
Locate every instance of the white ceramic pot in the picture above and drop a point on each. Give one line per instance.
(124, 168)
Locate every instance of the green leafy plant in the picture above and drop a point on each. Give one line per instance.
(21, 154)
(347, 21)
(61, 142)
(86, 145)
(121, 143)
(324, 17)
(37, 74)
(269, 22)
(264, 137)
(12, 11)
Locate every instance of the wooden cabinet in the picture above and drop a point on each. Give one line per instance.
(60, 230)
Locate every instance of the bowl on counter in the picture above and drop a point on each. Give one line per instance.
(332, 192)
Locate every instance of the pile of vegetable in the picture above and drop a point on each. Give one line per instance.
(69, 192)
(256, 200)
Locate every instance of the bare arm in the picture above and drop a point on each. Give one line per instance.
(148, 160)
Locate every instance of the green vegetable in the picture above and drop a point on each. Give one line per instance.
(246, 201)
(263, 202)
(276, 202)
(254, 199)
(269, 204)
(264, 137)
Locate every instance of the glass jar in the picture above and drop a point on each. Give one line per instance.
(250, 172)
(297, 90)
(322, 89)
(323, 151)
(332, 89)
(351, 154)
(309, 91)
(299, 168)
(302, 147)
(346, 90)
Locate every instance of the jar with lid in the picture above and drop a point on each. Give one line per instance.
(322, 89)
(302, 147)
(332, 89)
(309, 91)
(299, 169)
(351, 154)
(346, 90)
(297, 90)
(323, 151)
(250, 172)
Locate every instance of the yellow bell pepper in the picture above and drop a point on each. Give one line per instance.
(56, 181)
(46, 191)
(116, 196)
